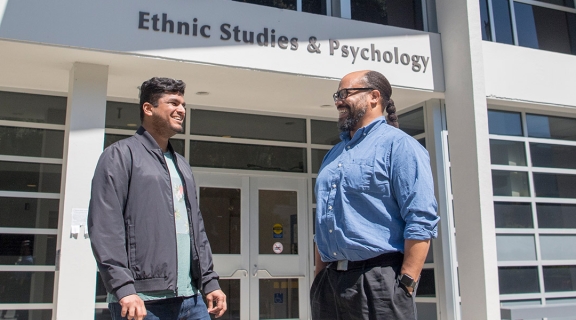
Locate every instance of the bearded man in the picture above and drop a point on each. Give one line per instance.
(375, 210)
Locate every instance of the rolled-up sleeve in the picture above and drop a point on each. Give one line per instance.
(413, 187)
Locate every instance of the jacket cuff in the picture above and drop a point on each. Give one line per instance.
(124, 291)
(212, 285)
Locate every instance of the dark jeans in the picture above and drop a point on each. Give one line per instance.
(365, 293)
(192, 308)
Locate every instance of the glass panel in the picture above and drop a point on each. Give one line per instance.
(559, 278)
(101, 292)
(324, 132)
(525, 26)
(518, 280)
(545, 29)
(102, 314)
(232, 290)
(426, 311)
(513, 215)
(31, 177)
(510, 153)
(177, 144)
(247, 156)
(111, 138)
(278, 221)
(279, 299)
(27, 249)
(426, 286)
(430, 255)
(248, 126)
(560, 301)
(555, 185)
(317, 157)
(313, 190)
(510, 183)
(556, 215)
(412, 122)
(29, 213)
(221, 212)
(121, 115)
(26, 314)
(398, 13)
(553, 156)
(27, 287)
(422, 142)
(502, 21)
(313, 220)
(282, 4)
(485, 21)
(504, 123)
(520, 302)
(32, 108)
(566, 3)
(314, 6)
(558, 247)
(31, 142)
(551, 127)
(515, 247)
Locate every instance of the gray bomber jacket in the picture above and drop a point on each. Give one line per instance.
(131, 220)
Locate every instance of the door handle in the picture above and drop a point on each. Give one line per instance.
(263, 273)
(238, 273)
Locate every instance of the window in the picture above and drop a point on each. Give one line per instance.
(541, 24)
(397, 13)
(310, 6)
(31, 150)
(534, 184)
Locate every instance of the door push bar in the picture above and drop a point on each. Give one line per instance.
(263, 273)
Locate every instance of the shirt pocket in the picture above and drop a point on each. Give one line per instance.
(357, 176)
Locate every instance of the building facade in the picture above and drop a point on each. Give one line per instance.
(484, 85)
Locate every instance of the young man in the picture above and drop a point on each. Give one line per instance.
(375, 210)
(144, 222)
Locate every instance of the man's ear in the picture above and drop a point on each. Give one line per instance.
(147, 107)
(375, 96)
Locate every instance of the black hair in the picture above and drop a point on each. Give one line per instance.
(153, 89)
(378, 81)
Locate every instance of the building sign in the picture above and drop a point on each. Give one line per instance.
(268, 37)
(230, 33)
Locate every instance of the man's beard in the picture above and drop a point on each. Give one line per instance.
(349, 123)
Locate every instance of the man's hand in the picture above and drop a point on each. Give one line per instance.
(133, 307)
(216, 303)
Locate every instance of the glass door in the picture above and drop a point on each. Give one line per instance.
(260, 248)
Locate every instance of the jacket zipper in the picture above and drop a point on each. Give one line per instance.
(190, 228)
(173, 221)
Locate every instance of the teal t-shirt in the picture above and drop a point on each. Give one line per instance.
(185, 286)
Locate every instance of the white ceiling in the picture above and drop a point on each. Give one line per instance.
(45, 69)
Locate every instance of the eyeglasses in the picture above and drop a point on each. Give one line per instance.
(344, 93)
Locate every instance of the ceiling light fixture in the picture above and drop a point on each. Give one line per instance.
(326, 106)
(202, 93)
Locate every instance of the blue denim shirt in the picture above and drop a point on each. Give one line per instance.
(374, 191)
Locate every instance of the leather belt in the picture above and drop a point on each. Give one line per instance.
(383, 260)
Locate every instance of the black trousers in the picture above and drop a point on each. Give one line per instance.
(366, 291)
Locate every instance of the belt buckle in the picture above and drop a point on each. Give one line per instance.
(342, 265)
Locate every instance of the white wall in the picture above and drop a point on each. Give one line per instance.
(118, 26)
(529, 75)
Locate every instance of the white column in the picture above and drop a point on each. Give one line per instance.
(75, 281)
(467, 119)
(444, 247)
